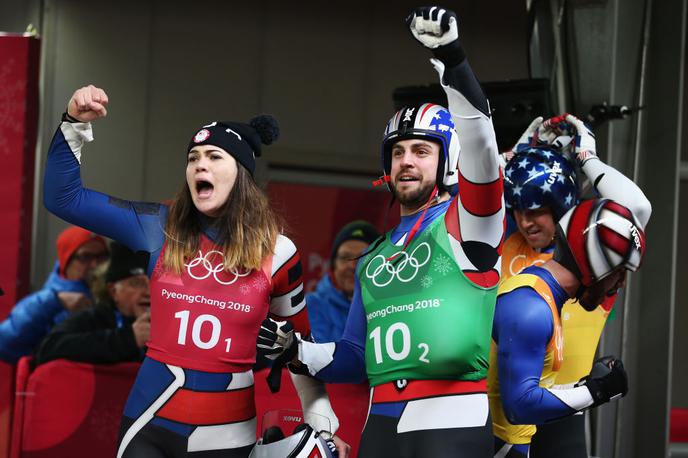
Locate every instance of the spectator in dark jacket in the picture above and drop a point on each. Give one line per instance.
(115, 329)
(328, 305)
(79, 252)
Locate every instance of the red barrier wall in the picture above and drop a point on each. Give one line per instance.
(6, 405)
(19, 56)
(678, 429)
(314, 214)
(70, 409)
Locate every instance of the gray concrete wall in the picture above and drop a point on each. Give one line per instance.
(16, 15)
(325, 70)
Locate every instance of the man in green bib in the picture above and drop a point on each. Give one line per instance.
(420, 322)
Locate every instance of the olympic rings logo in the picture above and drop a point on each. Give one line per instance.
(383, 272)
(212, 269)
(517, 270)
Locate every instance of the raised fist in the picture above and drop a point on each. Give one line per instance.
(607, 380)
(433, 26)
(88, 104)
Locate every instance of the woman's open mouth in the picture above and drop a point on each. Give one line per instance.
(204, 189)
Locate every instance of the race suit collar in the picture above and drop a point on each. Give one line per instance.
(209, 228)
(406, 223)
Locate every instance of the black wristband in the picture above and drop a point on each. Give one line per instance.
(597, 391)
(67, 118)
(451, 54)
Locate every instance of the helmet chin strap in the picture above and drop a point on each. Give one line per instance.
(563, 255)
(412, 233)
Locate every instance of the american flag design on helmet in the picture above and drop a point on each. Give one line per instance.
(602, 236)
(540, 177)
(427, 121)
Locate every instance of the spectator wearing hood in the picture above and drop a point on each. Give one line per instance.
(79, 253)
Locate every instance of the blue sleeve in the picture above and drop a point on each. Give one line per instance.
(317, 320)
(348, 364)
(28, 322)
(522, 328)
(135, 224)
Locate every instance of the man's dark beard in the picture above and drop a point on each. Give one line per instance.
(416, 199)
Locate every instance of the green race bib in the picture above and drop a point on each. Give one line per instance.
(425, 319)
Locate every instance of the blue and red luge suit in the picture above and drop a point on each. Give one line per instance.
(194, 391)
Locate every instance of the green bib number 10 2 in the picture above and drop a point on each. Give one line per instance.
(394, 353)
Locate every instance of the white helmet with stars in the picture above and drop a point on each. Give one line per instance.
(428, 121)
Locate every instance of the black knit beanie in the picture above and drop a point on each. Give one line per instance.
(125, 263)
(355, 230)
(242, 141)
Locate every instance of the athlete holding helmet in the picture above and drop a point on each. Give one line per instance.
(597, 242)
(218, 266)
(419, 326)
(540, 186)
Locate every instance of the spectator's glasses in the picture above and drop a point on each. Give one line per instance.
(101, 256)
(346, 257)
(139, 281)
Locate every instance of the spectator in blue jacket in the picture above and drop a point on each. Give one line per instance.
(328, 305)
(79, 252)
(117, 327)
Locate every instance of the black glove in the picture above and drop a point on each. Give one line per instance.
(607, 380)
(275, 338)
(277, 341)
(436, 28)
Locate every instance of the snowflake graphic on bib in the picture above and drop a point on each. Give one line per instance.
(442, 264)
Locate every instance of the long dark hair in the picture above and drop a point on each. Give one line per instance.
(247, 227)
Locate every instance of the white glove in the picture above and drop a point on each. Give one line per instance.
(584, 142)
(529, 137)
(433, 26)
(559, 134)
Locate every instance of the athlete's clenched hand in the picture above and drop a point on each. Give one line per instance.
(277, 339)
(433, 26)
(607, 380)
(436, 29)
(88, 104)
